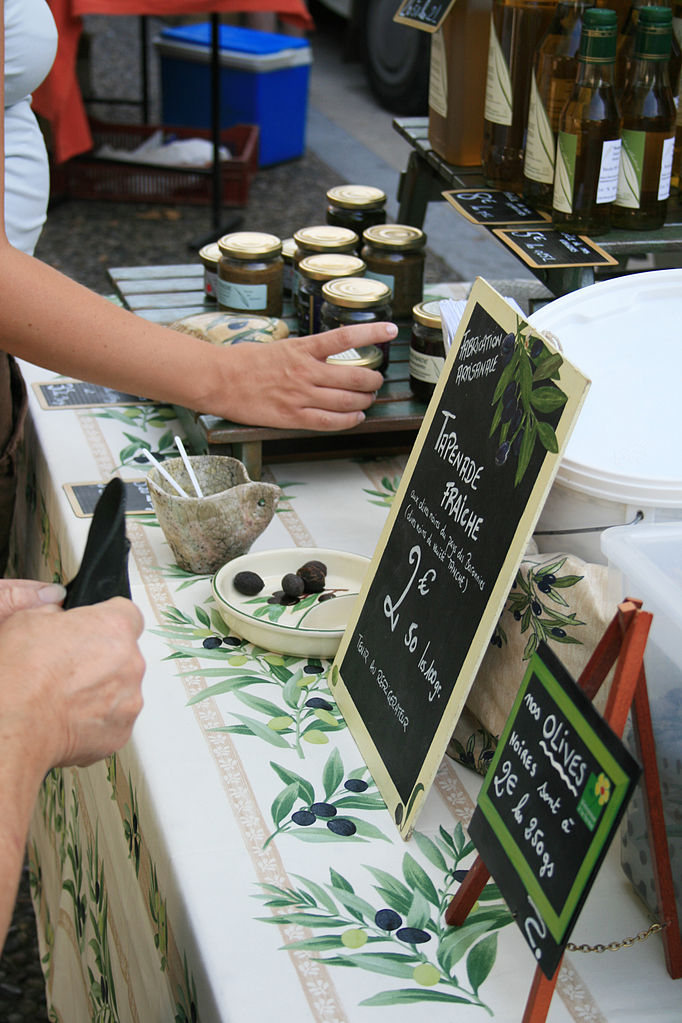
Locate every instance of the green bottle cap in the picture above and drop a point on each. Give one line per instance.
(599, 36)
(654, 33)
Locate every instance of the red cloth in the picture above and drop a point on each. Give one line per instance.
(59, 99)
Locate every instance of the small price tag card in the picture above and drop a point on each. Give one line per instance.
(83, 497)
(472, 490)
(427, 15)
(76, 394)
(543, 247)
(493, 206)
(553, 796)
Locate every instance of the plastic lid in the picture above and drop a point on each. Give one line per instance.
(325, 236)
(599, 36)
(394, 236)
(323, 266)
(356, 292)
(624, 335)
(654, 33)
(353, 196)
(250, 244)
(232, 37)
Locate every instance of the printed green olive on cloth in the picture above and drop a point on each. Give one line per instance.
(235, 860)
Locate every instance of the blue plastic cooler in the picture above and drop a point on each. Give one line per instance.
(263, 80)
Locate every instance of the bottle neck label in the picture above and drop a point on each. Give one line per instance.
(538, 161)
(438, 75)
(498, 86)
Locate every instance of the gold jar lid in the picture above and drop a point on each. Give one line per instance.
(209, 255)
(325, 236)
(398, 237)
(288, 249)
(249, 244)
(371, 357)
(356, 292)
(428, 314)
(323, 266)
(351, 197)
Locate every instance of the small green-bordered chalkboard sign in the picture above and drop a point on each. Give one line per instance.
(427, 15)
(76, 394)
(550, 803)
(493, 206)
(543, 247)
(478, 474)
(83, 497)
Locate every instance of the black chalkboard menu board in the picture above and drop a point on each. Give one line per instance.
(472, 490)
(550, 803)
(490, 206)
(547, 247)
(83, 497)
(75, 394)
(428, 15)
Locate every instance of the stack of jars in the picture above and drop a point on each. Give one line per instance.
(587, 128)
(354, 268)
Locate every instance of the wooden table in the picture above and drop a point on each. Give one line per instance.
(428, 175)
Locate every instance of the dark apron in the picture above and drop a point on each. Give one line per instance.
(12, 414)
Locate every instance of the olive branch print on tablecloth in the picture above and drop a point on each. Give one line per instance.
(305, 712)
(533, 601)
(402, 933)
(384, 497)
(525, 393)
(324, 817)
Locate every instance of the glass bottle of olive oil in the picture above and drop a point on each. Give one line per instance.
(516, 27)
(588, 145)
(626, 45)
(648, 129)
(554, 73)
(677, 38)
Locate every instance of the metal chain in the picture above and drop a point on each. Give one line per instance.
(615, 946)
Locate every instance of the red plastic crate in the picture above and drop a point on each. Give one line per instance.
(87, 177)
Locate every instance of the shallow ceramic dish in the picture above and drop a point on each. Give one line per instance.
(309, 628)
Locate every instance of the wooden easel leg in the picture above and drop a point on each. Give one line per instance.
(463, 902)
(540, 996)
(658, 842)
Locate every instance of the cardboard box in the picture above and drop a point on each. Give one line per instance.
(263, 80)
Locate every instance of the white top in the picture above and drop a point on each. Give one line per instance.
(30, 48)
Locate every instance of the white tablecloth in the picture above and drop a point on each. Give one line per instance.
(171, 882)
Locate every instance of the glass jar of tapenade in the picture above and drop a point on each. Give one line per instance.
(349, 300)
(356, 207)
(314, 272)
(321, 238)
(288, 249)
(250, 273)
(209, 256)
(394, 254)
(427, 351)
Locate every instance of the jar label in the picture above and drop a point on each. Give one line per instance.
(387, 279)
(498, 86)
(608, 171)
(438, 75)
(564, 176)
(253, 297)
(426, 368)
(210, 283)
(538, 161)
(667, 153)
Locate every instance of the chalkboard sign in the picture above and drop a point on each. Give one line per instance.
(75, 394)
(427, 15)
(550, 803)
(546, 247)
(471, 492)
(84, 496)
(491, 206)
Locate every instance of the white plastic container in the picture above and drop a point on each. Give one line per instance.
(624, 458)
(649, 559)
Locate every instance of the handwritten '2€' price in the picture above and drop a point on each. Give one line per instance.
(390, 608)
